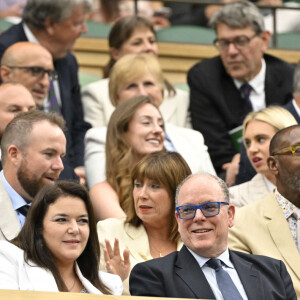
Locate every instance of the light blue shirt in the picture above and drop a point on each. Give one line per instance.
(168, 144)
(16, 200)
(210, 273)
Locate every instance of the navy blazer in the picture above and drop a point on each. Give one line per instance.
(179, 275)
(67, 69)
(216, 105)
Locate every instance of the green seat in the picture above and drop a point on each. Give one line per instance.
(186, 34)
(288, 40)
(98, 30)
(182, 86)
(4, 25)
(85, 78)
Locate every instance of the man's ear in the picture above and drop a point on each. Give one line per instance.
(49, 26)
(273, 165)
(5, 73)
(231, 213)
(266, 37)
(14, 154)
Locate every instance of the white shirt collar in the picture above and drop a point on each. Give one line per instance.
(224, 257)
(258, 82)
(30, 36)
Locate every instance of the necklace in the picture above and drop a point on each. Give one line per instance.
(160, 252)
(72, 285)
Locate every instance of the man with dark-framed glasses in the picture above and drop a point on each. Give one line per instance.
(30, 64)
(271, 226)
(242, 78)
(205, 268)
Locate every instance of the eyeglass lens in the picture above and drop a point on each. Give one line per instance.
(208, 209)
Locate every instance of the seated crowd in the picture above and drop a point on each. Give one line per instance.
(132, 186)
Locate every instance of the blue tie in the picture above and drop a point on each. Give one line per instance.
(225, 283)
(246, 90)
(23, 209)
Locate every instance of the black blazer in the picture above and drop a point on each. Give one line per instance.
(290, 107)
(72, 111)
(216, 105)
(178, 275)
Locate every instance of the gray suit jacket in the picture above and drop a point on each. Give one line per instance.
(9, 222)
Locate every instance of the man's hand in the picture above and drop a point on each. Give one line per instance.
(232, 169)
(80, 172)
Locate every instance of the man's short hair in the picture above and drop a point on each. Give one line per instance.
(276, 139)
(18, 131)
(221, 183)
(239, 15)
(36, 11)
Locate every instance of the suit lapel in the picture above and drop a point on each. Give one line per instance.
(280, 233)
(9, 223)
(187, 268)
(138, 240)
(249, 277)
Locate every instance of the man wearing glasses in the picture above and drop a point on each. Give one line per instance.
(242, 78)
(271, 226)
(57, 25)
(205, 268)
(30, 64)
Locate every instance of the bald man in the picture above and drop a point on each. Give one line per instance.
(30, 64)
(14, 98)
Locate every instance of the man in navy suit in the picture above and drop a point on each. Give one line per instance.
(204, 215)
(56, 25)
(216, 102)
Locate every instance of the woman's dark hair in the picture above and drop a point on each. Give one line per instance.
(31, 240)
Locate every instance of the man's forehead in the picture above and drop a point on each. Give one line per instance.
(200, 188)
(289, 137)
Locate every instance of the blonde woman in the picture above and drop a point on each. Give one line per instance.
(258, 130)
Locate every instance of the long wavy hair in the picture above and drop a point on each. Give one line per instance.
(165, 168)
(119, 156)
(31, 240)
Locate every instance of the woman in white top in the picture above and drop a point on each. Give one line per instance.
(57, 249)
(258, 129)
(135, 75)
(133, 34)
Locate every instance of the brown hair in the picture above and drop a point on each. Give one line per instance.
(18, 130)
(118, 150)
(31, 240)
(168, 169)
(121, 32)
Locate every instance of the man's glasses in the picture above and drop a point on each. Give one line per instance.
(294, 150)
(208, 209)
(240, 42)
(38, 72)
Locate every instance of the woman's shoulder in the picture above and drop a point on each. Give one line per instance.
(10, 251)
(102, 83)
(96, 134)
